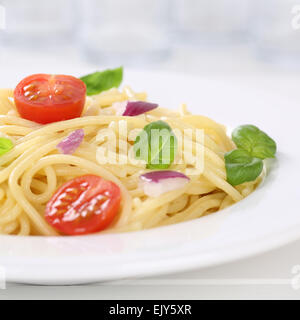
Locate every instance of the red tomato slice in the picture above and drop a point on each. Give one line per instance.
(84, 205)
(46, 98)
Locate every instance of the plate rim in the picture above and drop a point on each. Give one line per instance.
(163, 267)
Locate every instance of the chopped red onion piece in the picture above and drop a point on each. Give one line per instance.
(133, 108)
(71, 143)
(156, 183)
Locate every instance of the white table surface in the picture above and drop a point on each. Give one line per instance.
(268, 276)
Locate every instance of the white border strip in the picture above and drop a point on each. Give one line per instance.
(2, 17)
(2, 278)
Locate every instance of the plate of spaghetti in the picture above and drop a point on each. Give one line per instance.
(99, 181)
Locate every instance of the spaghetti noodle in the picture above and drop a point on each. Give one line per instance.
(34, 169)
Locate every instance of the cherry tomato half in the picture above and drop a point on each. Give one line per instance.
(84, 205)
(46, 98)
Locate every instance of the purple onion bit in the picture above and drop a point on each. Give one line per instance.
(71, 142)
(156, 176)
(156, 183)
(135, 108)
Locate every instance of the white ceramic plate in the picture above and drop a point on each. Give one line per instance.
(268, 218)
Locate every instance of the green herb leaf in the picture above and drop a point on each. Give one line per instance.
(157, 145)
(255, 141)
(242, 167)
(102, 80)
(5, 145)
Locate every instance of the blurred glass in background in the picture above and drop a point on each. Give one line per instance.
(127, 32)
(146, 32)
(36, 23)
(211, 22)
(276, 31)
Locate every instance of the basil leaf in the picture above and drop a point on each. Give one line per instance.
(242, 167)
(255, 141)
(157, 145)
(5, 146)
(102, 80)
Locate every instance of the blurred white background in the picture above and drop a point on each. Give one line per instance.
(195, 36)
(256, 41)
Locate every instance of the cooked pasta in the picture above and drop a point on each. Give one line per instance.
(34, 169)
